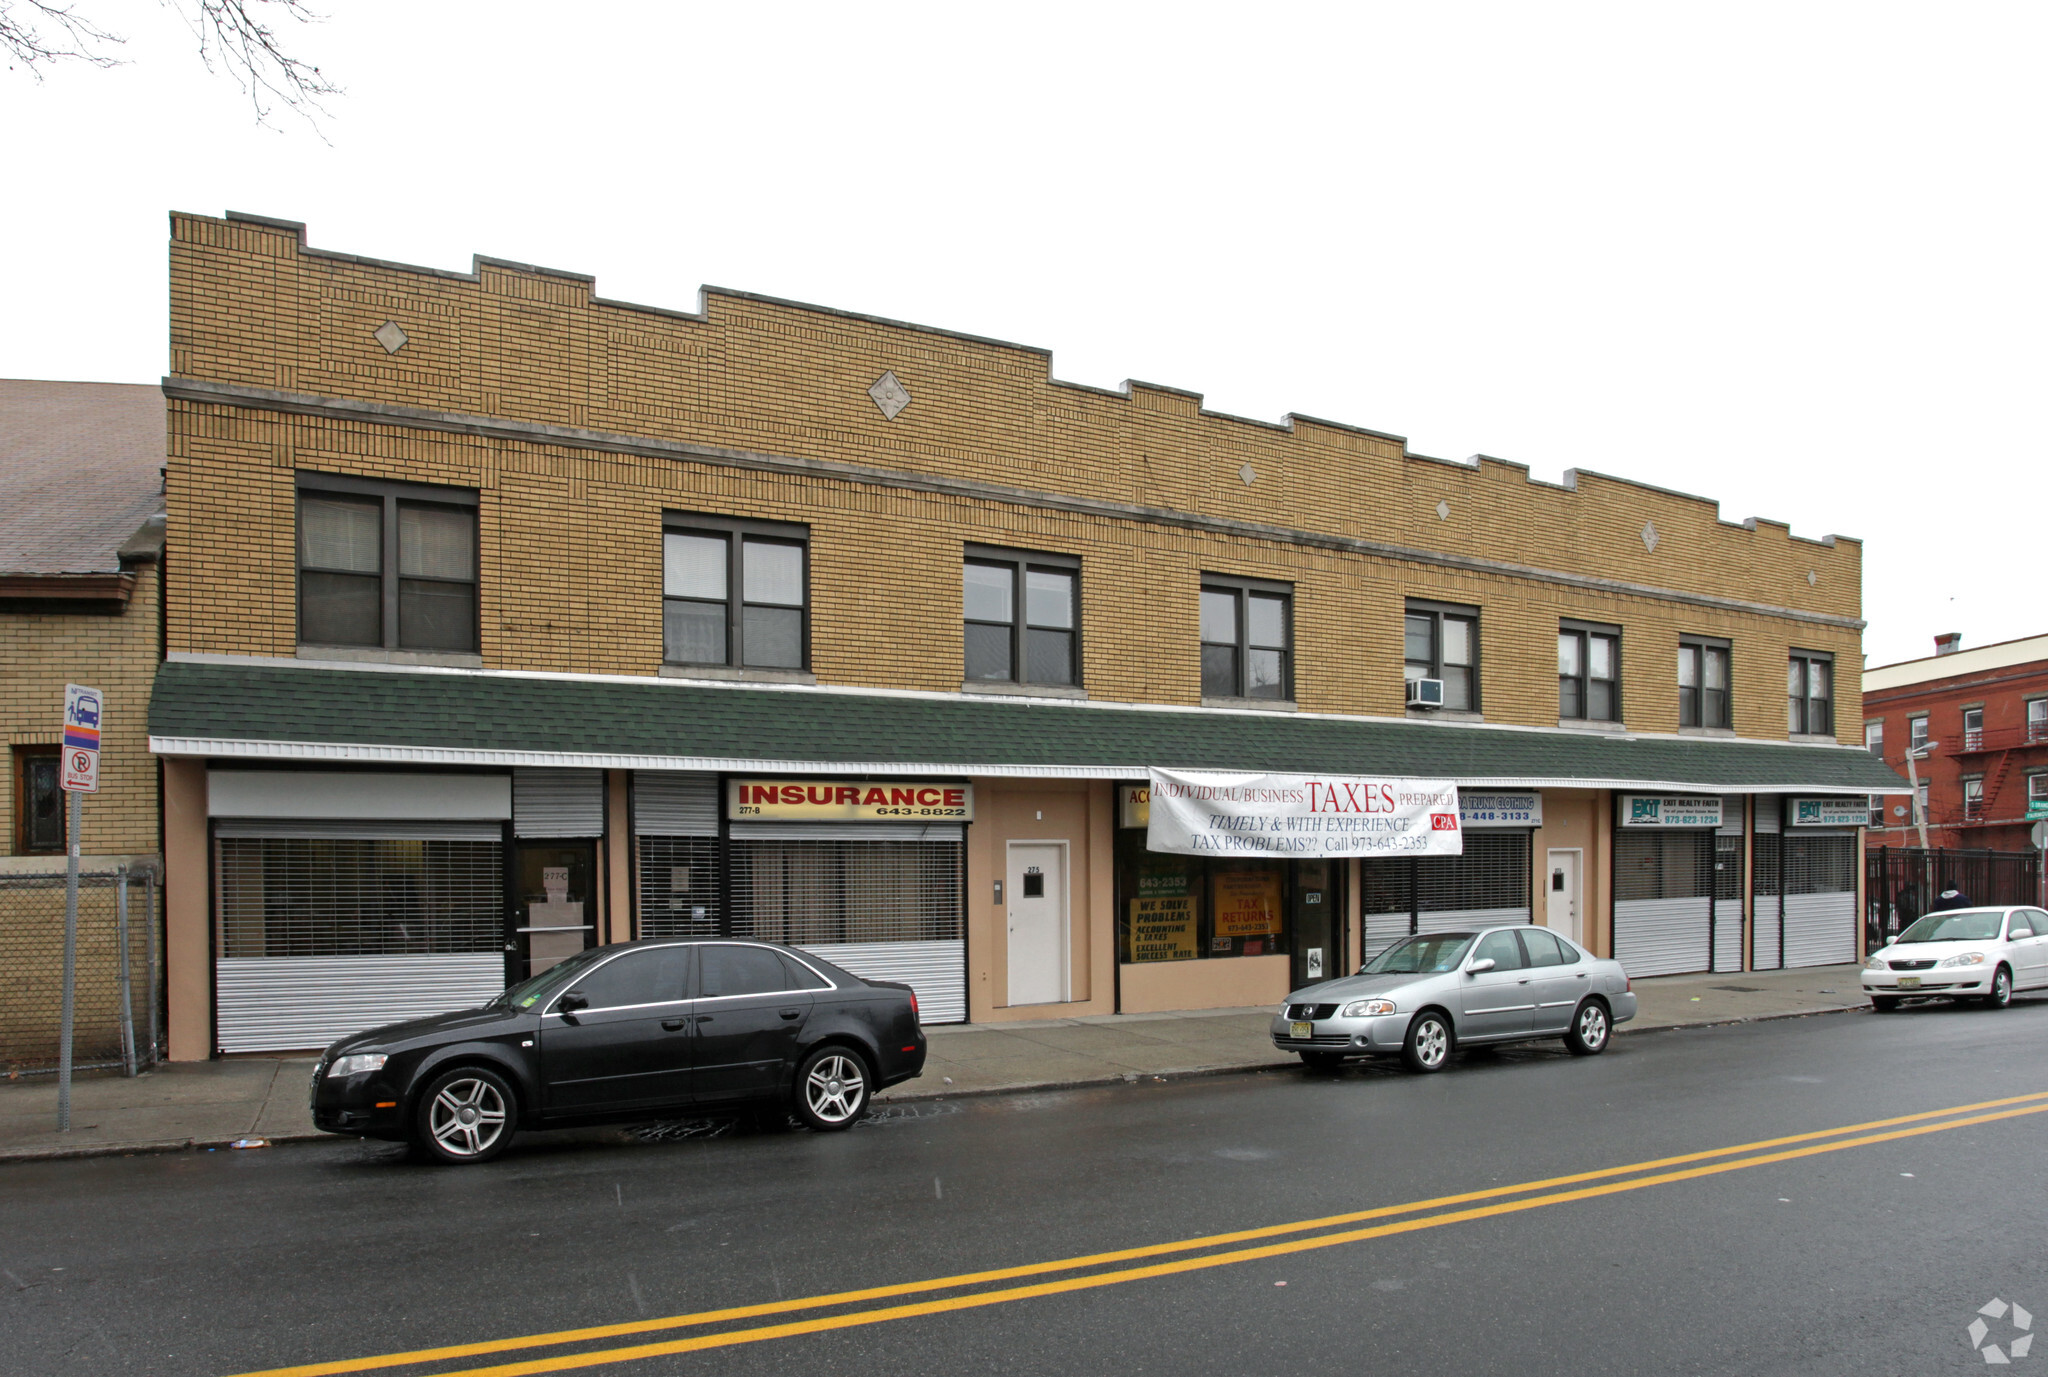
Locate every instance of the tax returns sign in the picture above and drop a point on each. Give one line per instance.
(1302, 816)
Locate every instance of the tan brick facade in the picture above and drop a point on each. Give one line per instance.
(571, 555)
(116, 652)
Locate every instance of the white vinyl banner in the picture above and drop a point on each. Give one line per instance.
(1204, 814)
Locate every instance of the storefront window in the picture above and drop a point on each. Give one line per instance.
(1185, 908)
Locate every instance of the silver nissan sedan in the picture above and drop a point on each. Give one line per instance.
(1428, 995)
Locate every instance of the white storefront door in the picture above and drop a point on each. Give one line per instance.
(1561, 901)
(1036, 904)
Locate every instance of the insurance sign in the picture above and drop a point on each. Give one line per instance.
(847, 800)
(81, 762)
(1307, 816)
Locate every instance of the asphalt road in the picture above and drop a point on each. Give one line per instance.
(1868, 1257)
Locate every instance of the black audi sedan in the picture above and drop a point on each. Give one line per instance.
(627, 1032)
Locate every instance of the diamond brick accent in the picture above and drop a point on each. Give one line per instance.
(390, 336)
(890, 395)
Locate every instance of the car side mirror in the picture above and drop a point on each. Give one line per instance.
(1484, 963)
(571, 1002)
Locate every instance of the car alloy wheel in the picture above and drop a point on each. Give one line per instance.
(2001, 989)
(1428, 1045)
(832, 1089)
(1588, 1035)
(465, 1116)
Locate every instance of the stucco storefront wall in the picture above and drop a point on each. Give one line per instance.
(1079, 813)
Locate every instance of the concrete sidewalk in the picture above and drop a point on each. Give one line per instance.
(214, 1104)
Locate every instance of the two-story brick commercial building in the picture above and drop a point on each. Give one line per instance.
(81, 531)
(1984, 713)
(509, 619)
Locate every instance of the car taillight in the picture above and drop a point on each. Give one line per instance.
(1628, 984)
(913, 1003)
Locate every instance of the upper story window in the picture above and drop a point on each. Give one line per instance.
(1702, 682)
(1589, 672)
(1877, 807)
(2037, 719)
(1021, 617)
(1973, 798)
(1873, 737)
(2037, 793)
(390, 565)
(1916, 733)
(38, 800)
(1810, 694)
(1247, 639)
(1441, 641)
(734, 593)
(1973, 729)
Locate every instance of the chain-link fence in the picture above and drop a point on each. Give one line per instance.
(112, 905)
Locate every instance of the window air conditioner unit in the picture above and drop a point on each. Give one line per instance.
(1425, 693)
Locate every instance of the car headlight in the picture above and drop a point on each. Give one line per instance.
(358, 1064)
(1875, 962)
(1968, 958)
(1365, 1008)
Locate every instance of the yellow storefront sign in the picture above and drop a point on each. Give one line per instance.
(1248, 903)
(1163, 929)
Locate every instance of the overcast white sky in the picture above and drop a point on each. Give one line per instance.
(1788, 256)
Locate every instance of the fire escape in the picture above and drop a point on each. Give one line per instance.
(1993, 752)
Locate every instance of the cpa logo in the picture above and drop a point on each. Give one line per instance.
(1443, 822)
(2017, 1346)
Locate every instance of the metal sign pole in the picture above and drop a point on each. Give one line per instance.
(70, 971)
(127, 990)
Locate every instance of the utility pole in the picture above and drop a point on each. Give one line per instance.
(1914, 755)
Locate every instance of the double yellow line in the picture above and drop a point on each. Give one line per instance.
(1327, 1232)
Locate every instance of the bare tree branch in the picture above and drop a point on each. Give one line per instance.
(34, 34)
(235, 36)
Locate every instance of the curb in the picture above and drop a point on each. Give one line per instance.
(51, 1154)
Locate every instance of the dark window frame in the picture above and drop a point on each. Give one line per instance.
(736, 532)
(1437, 612)
(1243, 589)
(393, 497)
(1021, 563)
(1802, 723)
(22, 755)
(1693, 702)
(1586, 633)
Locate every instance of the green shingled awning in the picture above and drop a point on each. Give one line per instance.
(266, 709)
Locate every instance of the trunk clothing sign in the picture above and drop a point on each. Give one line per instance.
(1306, 816)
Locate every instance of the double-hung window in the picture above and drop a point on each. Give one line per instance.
(1916, 733)
(2037, 795)
(1973, 799)
(387, 565)
(1873, 737)
(2037, 720)
(734, 593)
(1973, 729)
(1702, 682)
(1021, 617)
(1247, 639)
(1809, 693)
(1441, 641)
(1589, 672)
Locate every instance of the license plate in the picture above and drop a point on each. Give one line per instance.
(1301, 1030)
(1909, 982)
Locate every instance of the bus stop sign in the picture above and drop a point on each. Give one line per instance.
(82, 707)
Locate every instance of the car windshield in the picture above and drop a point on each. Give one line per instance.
(536, 989)
(1430, 954)
(1958, 925)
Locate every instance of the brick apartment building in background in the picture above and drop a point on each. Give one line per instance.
(1985, 712)
(508, 619)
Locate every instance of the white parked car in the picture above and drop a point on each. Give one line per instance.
(1964, 953)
